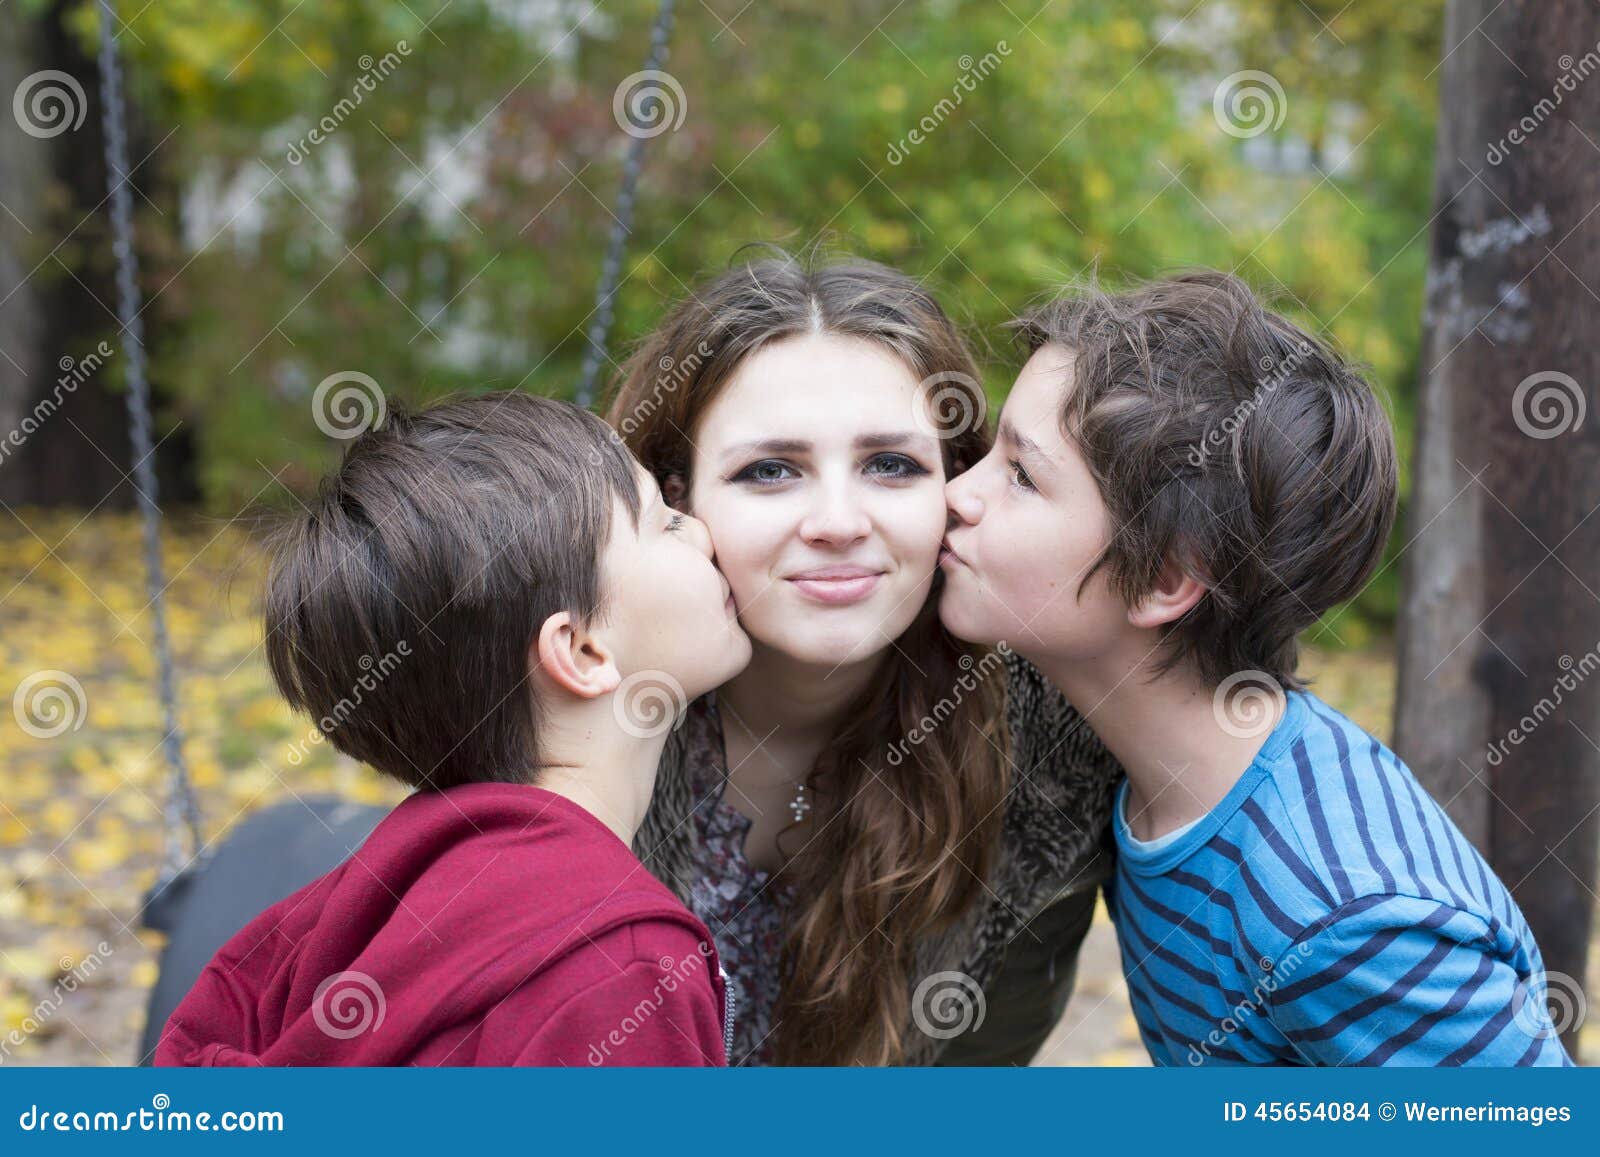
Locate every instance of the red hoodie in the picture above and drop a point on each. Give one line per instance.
(491, 924)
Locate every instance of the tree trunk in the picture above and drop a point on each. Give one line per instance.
(56, 279)
(24, 161)
(1500, 631)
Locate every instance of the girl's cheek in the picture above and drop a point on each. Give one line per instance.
(919, 521)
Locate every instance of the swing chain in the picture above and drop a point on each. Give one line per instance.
(611, 269)
(180, 809)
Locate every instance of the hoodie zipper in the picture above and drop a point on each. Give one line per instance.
(729, 1003)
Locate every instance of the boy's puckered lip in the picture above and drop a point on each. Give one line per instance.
(947, 554)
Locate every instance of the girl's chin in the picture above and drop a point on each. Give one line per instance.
(828, 650)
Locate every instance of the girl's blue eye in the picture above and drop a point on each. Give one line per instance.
(895, 466)
(765, 472)
(1019, 476)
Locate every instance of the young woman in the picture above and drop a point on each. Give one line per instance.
(889, 880)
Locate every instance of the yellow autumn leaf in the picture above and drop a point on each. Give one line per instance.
(27, 963)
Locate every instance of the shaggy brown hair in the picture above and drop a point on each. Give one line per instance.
(1226, 439)
(401, 605)
(913, 839)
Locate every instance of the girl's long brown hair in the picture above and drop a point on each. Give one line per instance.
(908, 845)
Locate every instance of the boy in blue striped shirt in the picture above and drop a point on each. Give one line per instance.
(1182, 482)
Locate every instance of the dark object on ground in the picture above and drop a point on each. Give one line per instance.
(276, 851)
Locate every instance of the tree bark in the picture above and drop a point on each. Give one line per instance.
(24, 161)
(1500, 631)
(56, 280)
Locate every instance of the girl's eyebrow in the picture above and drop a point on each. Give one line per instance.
(876, 441)
(768, 446)
(884, 441)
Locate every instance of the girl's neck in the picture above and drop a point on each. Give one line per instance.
(798, 698)
(1165, 732)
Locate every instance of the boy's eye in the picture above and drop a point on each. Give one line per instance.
(1019, 476)
(895, 466)
(765, 472)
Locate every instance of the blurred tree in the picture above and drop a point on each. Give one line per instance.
(442, 227)
(56, 294)
(1499, 635)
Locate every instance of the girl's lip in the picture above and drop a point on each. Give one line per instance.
(948, 556)
(836, 573)
(845, 588)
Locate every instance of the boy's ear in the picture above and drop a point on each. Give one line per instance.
(1174, 594)
(575, 659)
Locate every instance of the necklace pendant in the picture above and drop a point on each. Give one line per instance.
(798, 805)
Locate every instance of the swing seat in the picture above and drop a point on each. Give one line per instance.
(270, 855)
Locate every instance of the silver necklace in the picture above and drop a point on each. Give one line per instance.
(799, 805)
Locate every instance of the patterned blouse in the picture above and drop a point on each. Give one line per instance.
(733, 898)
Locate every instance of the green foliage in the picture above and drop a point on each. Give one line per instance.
(448, 233)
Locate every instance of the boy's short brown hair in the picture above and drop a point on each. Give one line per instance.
(400, 606)
(1225, 438)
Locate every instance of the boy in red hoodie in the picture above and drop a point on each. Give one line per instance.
(489, 601)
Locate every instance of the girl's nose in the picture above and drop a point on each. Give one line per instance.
(837, 519)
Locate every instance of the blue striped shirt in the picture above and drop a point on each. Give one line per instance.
(1326, 912)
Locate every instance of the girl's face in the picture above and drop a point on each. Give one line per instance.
(822, 484)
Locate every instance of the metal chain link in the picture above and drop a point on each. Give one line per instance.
(179, 809)
(611, 268)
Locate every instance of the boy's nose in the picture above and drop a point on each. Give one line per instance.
(964, 505)
(701, 534)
